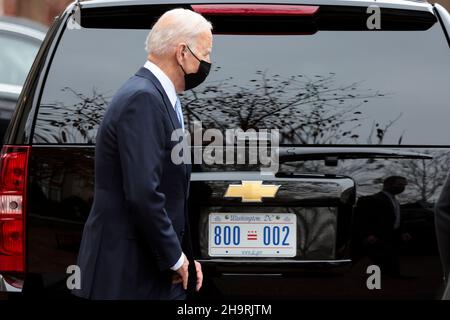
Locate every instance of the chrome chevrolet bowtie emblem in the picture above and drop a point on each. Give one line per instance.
(251, 191)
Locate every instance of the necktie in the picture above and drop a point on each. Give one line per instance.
(179, 112)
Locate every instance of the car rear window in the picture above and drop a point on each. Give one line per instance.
(329, 87)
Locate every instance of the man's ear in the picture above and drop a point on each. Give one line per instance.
(181, 53)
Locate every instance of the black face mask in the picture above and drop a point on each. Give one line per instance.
(192, 80)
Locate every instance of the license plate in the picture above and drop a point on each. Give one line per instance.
(252, 235)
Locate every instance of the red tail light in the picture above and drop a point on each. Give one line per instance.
(255, 10)
(13, 186)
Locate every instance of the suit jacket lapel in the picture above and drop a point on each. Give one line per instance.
(143, 72)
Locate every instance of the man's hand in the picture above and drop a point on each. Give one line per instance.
(182, 274)
(198, 268)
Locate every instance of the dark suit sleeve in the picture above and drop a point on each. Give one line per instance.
(442, 217)
(188, 250)
(141, 142)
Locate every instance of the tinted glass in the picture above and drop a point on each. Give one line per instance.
(332, 87)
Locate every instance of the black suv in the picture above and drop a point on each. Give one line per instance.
(357, 89)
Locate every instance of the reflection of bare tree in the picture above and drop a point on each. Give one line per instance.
(317, 232)
(51, 196)
(367, 174)
(76, 123)
(381, 130)
(306, 110)
(425, 177)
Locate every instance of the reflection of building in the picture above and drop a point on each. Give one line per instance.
(42, 11)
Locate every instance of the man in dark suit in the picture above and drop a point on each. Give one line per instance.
(442, 214)
(378, 226)
(136, 241)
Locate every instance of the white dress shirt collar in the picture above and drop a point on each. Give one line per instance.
(165, 81)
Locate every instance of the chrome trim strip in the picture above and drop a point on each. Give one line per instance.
(300, 262)
(264, 176)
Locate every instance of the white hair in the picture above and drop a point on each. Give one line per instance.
(173, 27)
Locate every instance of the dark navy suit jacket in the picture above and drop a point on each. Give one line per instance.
(138, 225)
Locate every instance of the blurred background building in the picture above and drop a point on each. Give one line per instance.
(44, 11)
